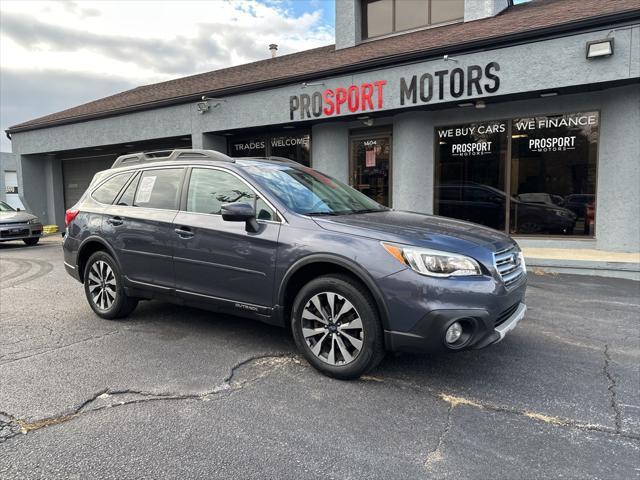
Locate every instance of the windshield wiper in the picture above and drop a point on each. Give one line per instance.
(370, 210)
(318, 214)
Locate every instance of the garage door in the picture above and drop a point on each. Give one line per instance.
(77, 175)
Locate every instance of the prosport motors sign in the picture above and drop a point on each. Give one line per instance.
(474, 80)
(471, 140)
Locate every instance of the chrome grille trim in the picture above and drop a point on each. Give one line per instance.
(508, 265)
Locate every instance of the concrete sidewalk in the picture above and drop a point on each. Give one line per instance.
(585, 262)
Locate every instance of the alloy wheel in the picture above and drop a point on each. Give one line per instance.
(102, 285)
(332, 328)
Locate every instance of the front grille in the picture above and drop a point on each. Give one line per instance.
(15, 222)
(504, 316)
(509, 265)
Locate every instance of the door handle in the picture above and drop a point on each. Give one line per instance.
(184, 232)
(115, 221)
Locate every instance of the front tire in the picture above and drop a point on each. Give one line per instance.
(103, 286)
(30, 242)
(336, 326)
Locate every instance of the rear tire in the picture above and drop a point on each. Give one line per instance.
(336, 326)
(30, 242)
(103, 286)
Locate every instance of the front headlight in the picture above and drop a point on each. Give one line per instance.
(33, 220)
(522, 262)
(434, 263)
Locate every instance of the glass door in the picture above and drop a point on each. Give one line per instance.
(370, 166)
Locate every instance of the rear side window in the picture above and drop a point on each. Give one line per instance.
(159, 189)
(129, 193)
(106, 193)
(210, 189)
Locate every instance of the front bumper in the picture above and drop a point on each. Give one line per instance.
(481, 329)
(20, 231)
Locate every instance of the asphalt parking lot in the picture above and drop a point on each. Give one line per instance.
(180, 392)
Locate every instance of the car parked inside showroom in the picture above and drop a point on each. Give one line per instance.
(270, 239)
(19, 225)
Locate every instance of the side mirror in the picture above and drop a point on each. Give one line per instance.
(18, 209)
(240, 212)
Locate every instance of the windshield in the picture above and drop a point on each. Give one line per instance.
(309, 192)
(5, 208)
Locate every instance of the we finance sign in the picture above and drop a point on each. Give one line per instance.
(418, 89)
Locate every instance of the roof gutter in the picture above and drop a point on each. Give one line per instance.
(467, 47)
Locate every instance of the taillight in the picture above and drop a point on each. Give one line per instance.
(69, 215)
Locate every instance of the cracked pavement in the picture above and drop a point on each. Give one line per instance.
(177, 392)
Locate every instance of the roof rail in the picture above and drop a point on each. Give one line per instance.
(164, 155)
(281, 159)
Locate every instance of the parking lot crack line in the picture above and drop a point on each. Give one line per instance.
(611, 387)
(436, 455)
(11, 426)
(455, 401)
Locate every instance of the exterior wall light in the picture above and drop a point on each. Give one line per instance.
(600, 48)
(203, 107)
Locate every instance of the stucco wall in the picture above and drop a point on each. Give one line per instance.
(348, 23)
(477, 9)
(330, 149)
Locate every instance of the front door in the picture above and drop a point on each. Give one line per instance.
(371, 166)
(219, 260)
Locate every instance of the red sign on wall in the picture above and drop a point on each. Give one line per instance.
(335, 101)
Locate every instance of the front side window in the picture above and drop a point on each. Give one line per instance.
(159, 188)
(209, 189)
(310, 192)
(106, 193)
(5, 208)
(550, 175)
(383, 17)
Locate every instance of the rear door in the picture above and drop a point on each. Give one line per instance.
(219, 260)
(140, 226)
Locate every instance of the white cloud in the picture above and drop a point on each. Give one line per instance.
(141, 42)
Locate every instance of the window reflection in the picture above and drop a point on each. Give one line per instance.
(552, 174)
(553, 163)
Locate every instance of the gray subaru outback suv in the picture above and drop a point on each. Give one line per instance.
(270, 239)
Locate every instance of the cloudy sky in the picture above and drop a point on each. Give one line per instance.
(58, 54)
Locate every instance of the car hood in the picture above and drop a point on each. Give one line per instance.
(429, 231)
(15, 217)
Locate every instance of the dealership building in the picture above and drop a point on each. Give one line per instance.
(525, 118)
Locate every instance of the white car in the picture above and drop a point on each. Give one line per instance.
(17, 225)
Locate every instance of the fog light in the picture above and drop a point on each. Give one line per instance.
(454, 332)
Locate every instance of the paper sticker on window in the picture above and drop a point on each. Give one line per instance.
(370, 158)
(145, 189)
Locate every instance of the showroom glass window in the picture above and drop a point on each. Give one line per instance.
(542, 183)
(383, 17)
(553, 167)
(294, 145)
(470, 172)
